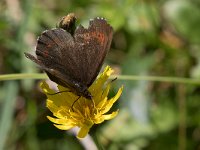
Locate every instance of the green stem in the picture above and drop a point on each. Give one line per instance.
(119, 77)
(22, 76)
(160, 79)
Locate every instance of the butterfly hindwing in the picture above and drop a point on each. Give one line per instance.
(92, 45)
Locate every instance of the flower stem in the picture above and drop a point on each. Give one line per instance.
(159, 79)
(21, 76)
(119, 77)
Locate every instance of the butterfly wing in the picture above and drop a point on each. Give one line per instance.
(53, 74)
(49, 49)
(74, 61)
(91, 47)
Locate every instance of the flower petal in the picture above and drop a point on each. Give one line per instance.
(111, 116)
(63, 127)
(63, 121)
(45, 88)
(102, 78)
(106, 91)
(99, 120)
(112, 101)
(52, 107)
(68, 95)
(106, 117)
(102, 97)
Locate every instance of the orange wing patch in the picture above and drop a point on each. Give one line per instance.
(99, 36)
(95, 35)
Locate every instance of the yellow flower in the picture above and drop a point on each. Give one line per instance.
(84, 113)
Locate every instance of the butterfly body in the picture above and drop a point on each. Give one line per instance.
(74, 59)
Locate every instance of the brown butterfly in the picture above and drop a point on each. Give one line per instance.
(74, 57)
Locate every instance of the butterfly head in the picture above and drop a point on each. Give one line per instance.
(87, 94)
(68, 23)
(82, 90)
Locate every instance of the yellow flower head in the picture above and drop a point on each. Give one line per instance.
(84, 113)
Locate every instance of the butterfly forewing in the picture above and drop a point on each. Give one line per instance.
(74, 61)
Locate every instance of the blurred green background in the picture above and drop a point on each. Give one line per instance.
(152, 37)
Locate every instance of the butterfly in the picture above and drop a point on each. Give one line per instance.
(72, 57)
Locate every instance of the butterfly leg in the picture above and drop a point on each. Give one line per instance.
(74, 103)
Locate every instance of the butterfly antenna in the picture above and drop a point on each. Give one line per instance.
(114, 79)
(110, 82)
(57, 92)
